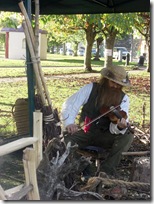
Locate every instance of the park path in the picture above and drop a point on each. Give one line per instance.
(83, 75)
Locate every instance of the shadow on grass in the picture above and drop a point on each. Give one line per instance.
(84, 72)
(77, 61)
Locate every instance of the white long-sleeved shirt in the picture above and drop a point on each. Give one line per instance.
(72, 105)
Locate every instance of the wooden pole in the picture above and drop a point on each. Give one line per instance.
(141, 153)
(35, 43)
(13, 190)
(38, 134)
(24, 12)
(2, 194)
(37, 28)
(34, 61)
(37, 8)
(16, 145)
(18, 195)
(30, 173)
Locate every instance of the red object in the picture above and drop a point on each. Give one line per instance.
(86, 121)
(7, 45)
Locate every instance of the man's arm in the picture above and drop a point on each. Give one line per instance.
(72, 105)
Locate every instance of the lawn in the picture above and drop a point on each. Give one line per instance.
(62, 81)
(57, 70)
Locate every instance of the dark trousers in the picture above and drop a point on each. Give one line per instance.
(115, 143)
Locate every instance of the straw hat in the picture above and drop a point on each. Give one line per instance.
(116, 74)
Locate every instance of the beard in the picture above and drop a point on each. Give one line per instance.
(112, 97)
(109, 96)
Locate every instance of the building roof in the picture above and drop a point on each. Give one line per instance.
(20, 29)
(80, 6)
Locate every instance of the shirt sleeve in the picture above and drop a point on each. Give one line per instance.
(72, 105)
(125, 107)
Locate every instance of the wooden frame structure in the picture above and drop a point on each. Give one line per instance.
(31, 159)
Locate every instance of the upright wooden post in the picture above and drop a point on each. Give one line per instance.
(30, 173)
(38, 133)
(2, 194)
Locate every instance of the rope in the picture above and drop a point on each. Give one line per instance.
(133, 184)
(110, 182)
(20, 115)
(48, 118)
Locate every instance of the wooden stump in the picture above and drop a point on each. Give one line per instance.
(141, 170)
(59, 171)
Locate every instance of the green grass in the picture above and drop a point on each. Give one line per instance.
(56, 60)
(62, 87)
(67, 65)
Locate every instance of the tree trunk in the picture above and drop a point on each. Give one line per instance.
(109, 44)
(148, 55)
(64, 49)
(59, 171)
(98, 41)
(75, 48)
(90, 37)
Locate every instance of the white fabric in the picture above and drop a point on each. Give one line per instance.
(72, 105)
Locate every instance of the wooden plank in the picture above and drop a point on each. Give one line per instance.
(2, 194)
(16, 145)
(38, 134)
(10, 191)
(20, 194)
(30, 173)
(141, 153)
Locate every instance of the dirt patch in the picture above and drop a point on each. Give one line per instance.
(11, 171)
(83, 75)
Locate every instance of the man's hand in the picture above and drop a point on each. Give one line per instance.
(121, 124)
(72, 128)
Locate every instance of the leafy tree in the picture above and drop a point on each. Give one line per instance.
(91, 24)
(114, 25)
(75, 39)
(142, 24)
(10, 19)
(72, 26)
(2, 41)
(107, 26)
(55, 35)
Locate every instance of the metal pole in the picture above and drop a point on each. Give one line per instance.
(30, 77)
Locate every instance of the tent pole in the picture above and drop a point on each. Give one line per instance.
(30, 77)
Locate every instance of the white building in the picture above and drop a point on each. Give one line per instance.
(15, 43)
